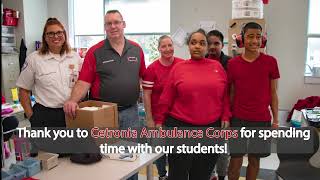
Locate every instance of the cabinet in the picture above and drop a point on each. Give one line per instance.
(235, 27)
(9, 74)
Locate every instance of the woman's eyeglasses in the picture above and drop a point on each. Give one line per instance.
(52, 34)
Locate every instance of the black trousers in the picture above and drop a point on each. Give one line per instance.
(47, 117)
(190, 166)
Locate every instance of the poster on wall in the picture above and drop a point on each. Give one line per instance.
(207, 25)
(179, 37)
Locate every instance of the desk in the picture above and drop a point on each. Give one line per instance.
(315, 159)
(104, 169)
(18, 112)
(17, 108)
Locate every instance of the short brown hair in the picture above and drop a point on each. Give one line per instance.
(44, 49)
(114, 11)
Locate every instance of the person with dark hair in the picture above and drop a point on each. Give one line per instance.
(154, 80)
(195, 96)
(215, 46)
(50, 73)
(253, 78)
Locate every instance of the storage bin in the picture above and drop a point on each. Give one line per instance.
(31, 165)
(8, 41)
(243, 9)
(7, 30)
(244, 14)
(22, 148)
(10, 21)
(6, 176)
(17, 172)
(249, 4)
(10, 17)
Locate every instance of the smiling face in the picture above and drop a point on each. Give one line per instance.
(55, 37)
(166, 48)
(114, 25)
(198, 45)
(252, 40)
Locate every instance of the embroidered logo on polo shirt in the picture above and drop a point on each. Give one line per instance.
(107, 61)
(133, 59)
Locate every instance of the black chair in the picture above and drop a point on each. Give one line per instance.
(294, 155)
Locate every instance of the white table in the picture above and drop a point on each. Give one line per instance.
(104, 169)
(17, 108)
(315, 159)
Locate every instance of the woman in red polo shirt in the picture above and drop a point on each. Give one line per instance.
(194, 96)
(153, 82)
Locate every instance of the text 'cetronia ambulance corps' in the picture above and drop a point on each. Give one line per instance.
(209, 132)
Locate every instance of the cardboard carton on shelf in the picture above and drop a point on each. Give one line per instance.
(105, 115)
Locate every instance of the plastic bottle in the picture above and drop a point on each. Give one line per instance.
(15, 98)
(33, 100)
(142, 114)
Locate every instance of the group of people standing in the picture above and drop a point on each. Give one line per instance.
(207, 90)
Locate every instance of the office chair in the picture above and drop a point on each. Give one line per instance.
(294, 155)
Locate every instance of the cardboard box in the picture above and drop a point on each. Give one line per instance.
(48, 160)
(103, 117)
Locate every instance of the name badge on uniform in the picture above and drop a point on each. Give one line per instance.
(73, 76)
(107, 61)
(132, 59)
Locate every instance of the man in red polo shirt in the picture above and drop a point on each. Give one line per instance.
(111, 71)
(253, 81)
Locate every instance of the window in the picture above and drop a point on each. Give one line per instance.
(145, 22)
(312, 67)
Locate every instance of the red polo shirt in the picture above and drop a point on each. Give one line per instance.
(154, 78)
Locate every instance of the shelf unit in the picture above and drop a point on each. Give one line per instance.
(8, 38)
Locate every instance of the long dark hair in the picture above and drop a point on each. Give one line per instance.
(44, 49)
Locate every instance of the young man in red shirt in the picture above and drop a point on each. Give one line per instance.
(253, 88)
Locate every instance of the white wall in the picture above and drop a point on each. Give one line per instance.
(287, 28)
(59, 9)
(35, 16)
(188, 13)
